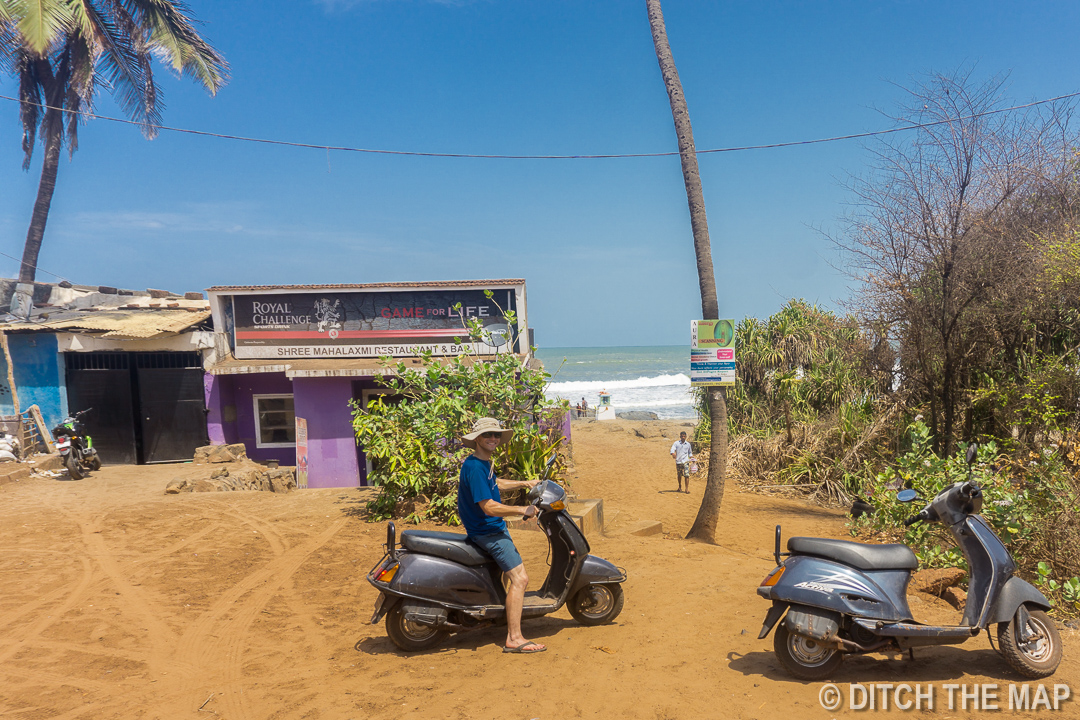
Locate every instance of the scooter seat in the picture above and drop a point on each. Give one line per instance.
(452, 546)
(859, 555)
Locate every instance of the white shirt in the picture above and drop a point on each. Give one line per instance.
(681, 448)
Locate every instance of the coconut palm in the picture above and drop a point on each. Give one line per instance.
(63, 51)
(704, 527)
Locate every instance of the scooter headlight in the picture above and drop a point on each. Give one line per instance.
(773, 577)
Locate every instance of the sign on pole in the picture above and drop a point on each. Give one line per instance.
(712, 352)
(301, 452)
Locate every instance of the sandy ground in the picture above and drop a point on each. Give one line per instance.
(117, 601)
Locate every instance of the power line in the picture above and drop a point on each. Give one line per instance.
(414, 153)
(36, 268)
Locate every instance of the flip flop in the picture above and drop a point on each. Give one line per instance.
(520, 649)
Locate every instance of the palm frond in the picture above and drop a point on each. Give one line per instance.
(173, 38)
(41, 23)
(29, 103)
(117, 39)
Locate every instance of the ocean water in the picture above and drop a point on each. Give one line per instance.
(650, 379)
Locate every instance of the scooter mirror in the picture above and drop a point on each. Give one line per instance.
(972, 450)
(906, 496)
(551, 460)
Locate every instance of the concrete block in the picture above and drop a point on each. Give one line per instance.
(645, 528)
(588, 515)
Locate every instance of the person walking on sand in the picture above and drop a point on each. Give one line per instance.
(481, 511)
(680, 451)
(584, 407)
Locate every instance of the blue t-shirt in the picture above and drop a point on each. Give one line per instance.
(477, 484)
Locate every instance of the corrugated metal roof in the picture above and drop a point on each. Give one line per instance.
(122, 323)
(373, 286)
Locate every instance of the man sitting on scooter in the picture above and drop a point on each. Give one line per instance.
(482, 512)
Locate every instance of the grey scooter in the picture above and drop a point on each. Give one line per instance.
(440, 583)
(845, 597)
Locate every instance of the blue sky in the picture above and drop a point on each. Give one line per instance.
(604, 245)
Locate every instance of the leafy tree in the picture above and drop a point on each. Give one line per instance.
(63, 51)
(945, 239)
(413, 434)
(704, 527)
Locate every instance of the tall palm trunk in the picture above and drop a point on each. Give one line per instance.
(46, 186)
(704, 527)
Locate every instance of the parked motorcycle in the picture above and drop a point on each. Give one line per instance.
(75, 446)
(439, 583)
(844, 597)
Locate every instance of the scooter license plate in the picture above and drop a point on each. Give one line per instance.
(379, 602)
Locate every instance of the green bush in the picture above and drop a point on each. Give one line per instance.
(1031, 506)
(413, 434)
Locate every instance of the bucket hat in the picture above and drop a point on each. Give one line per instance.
(485, 425)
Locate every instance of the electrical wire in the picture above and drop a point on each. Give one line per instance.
(414, 153)
(36, 267)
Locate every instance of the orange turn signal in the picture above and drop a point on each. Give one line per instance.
(773, 577)
(388, 574)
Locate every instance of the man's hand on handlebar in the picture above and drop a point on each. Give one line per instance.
(534, 512)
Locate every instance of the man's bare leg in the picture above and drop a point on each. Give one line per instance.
(515, 599)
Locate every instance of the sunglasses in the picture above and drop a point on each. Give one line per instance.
(490, 435)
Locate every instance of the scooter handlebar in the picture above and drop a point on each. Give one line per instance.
(914, 519)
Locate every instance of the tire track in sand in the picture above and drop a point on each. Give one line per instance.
(232, 614)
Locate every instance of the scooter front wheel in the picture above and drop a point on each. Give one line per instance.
(1040, 656)
(95, 462)
(804, 658)
(411, 636)
(596, 604)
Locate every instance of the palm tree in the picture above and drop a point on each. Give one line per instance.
(62, 51)
(704, 527)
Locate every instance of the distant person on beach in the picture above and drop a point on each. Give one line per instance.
(584, 407)
(680, 451)
(481, 511)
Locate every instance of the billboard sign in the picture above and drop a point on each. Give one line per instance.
(712, 352)
(315, 324)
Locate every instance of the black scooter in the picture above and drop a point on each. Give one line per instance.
(439, 583)
(845, 597)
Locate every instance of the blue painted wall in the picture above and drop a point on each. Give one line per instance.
(39, 376)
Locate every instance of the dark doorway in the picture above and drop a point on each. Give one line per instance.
(147, 407)
(101, 382)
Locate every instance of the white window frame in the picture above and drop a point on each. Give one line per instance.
(258, 428)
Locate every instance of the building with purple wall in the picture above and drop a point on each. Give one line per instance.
(311, 352)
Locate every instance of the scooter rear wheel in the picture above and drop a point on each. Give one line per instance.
(411, 636)
(1038, 657)
(74, 469)
(804, 658)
